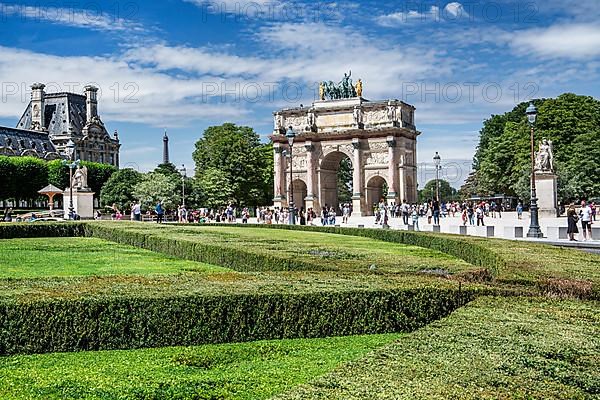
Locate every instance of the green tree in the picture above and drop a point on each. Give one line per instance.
(154, 187)
(98, 175)
(30, 175)
(118, 189)
(428, 192)
(58, 174)
(344, 181)
(245, 163)
(216, 188)
(502, 161)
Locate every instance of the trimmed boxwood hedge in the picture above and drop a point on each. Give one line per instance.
(124, 323)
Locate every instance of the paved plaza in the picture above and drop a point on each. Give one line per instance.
(506, 227)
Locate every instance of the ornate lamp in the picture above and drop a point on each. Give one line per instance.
(437, 160)
(534, 225)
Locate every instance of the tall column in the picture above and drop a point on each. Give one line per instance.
(392, 196)
(310, 175)
(402, 173)
(37, 106)
(278, 178)
(357, 183)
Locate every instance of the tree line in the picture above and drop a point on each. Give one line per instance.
(22, 177)
(232, 166)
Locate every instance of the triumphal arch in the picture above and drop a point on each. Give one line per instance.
(378, 137)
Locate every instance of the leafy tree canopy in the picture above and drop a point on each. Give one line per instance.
(502, 161)
(246, 165)
(118, 189)
(428, 192)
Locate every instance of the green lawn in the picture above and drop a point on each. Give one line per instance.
(350, 253)
(493, 348)
(250, 371)
(62, 257)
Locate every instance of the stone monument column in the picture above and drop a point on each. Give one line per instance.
(278, 176)
(402, 179)
(310, 200)
(357, 179)
(392, 196)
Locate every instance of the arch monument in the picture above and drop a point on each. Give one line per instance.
(378, 137)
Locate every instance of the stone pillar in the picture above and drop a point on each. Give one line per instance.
(310, 176)
(278, 183)
(357, 180)
(392, 196)
(402, 173)
(91, 102)
(546, 191)
(37, 106)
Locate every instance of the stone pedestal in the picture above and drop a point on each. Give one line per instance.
(546, 189)
(83, 203)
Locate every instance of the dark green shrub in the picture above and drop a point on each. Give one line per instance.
(133, 322)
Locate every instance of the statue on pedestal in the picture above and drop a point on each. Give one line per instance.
(544, 159)
(80, 178)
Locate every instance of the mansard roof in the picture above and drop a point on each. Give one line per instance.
(64, 113)
(21, 142)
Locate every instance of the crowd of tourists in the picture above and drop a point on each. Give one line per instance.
(432, 211)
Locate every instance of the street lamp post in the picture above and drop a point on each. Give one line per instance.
(290, 135)
(183, 176)
(437, 161)
(534, 225)
(72, 164)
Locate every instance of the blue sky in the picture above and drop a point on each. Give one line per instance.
(183, 65)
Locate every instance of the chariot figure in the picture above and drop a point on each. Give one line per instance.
(322, 87)
(359, 88)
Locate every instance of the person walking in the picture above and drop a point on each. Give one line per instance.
(136, 210)
(436, 212)
(405, 210)
(572, 219)
(471, 214)
(586, 220)
(160, 213)
(415, 219)
(480, 213)
(520, 211)
(345, 213)
(429, 214)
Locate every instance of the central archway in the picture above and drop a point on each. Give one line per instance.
(335, 177)
(376, 191)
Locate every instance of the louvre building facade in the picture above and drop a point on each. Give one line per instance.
(52, 119)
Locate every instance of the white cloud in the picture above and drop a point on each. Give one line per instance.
(95, 18)
(575, 41)
(451, 12)
(128, 93)
(455, 10)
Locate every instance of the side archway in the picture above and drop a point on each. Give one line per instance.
(300, 191)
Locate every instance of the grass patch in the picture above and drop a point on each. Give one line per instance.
(62, 257)
(311, 250)
(254, 370)
(493, 348)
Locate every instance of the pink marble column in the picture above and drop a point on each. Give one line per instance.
(392, 171)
